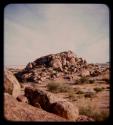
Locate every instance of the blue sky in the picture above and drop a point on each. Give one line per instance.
(35, 30)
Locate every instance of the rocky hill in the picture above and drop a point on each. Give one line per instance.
(58, 99)
(64, 65)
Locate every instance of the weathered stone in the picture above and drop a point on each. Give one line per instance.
(85, 72)
(19, 111)
(29, 66)
(83, 118)
(65, 109)
(70, 54)
(22, 98)
(56, 64)
(66, 62)
(11, 84)
(36, 104)
(72, 61)
(37, 96)
(94, 73)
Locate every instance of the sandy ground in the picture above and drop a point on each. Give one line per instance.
(101, 100)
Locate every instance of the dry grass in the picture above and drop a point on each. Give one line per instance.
(90, 95)
(59, 87)
(98, 89)
(90, 109)
(83, 80)
(72, 95)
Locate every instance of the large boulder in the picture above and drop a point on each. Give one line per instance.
(65, 109)
(36, 96)
(56, 64)
(50, 103)
(11, 84)
(72, 61)
(18, 111)
(85, 72)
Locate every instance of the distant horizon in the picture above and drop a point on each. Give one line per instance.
(53, 53)
(35, 30)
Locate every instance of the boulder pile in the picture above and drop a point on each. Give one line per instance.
(63, 65)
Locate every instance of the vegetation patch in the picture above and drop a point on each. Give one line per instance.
(58, 87)
(106, 80)
(83, 80)
(72, 95)
(92, 111)
(89, 95)
(98, 89)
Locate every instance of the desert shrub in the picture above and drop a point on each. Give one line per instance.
(71, 95)
(52, 87)
(79, 92)
(106, 80)
(100, 116)
(91, 110)
(86, 94)
(90, 95)
(98, 89)
(91, 81)
(58, 87)
(83, 79)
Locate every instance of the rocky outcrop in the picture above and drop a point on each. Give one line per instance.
(18, 111)
(41, 99)
(37, 97)
(51, 67)
(11, 84)
(85, 72)
(55, 66)
(65, 109)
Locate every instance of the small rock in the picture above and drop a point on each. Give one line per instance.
(83, 118)
(22, 98)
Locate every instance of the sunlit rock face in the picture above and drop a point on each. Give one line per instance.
(54, 66)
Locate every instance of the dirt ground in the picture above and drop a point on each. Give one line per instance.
(100, 102)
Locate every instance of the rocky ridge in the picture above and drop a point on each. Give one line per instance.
(64, 65)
